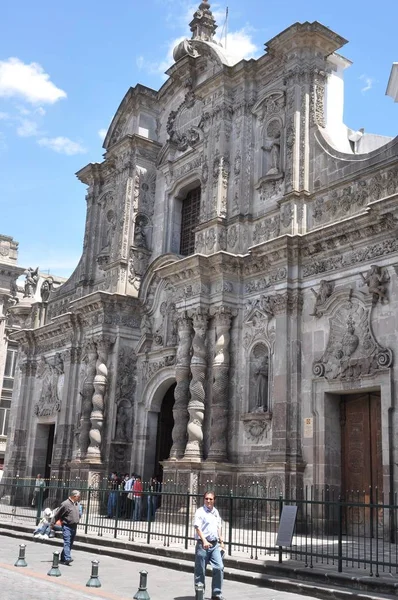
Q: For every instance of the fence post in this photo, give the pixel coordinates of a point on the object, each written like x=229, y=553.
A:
x=87, y=510
x=187, y=511
x=117, y=511
x=39, y=503
x=280, y=515
x=230, y=529
x=340, y=536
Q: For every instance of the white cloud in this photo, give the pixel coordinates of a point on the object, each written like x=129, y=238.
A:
x=139, y=61
x=62, y=145
x=102, y=133
x=28, y=81
x=240, y=45
x=27, y=128
x=4, y=116
x=369, y=81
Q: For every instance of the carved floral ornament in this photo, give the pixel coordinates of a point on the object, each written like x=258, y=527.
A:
x=257, y=426
x=352, y=351
x=184, y=125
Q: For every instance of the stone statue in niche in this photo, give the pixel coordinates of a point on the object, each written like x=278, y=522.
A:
x=124, y=421
x=325, y=290
x=261, y=387
x=32, y=277
x=146, y=327
x=377, y=279
x=140, y=240
x=110, y=229
x=272, y=150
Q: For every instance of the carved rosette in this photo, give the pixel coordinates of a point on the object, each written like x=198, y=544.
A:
x=97, y=413
x=90, y=358
x=196, y=406
x=181, y=392
x=219, y=409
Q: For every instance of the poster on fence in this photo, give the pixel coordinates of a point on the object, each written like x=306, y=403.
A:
x=286, y=526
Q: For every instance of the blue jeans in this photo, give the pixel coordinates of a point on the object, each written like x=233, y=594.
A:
x=152, y=502
x=111, y=507
x=137, y=508
x=202, y=558
x=68, y=532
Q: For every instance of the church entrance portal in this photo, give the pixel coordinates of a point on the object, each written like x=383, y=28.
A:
x=43, y=451
x=361, y=455
x=164, y=440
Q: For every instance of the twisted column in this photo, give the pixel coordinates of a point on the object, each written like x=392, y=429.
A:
x=97, y=413
x=219, y=407
x=196, y=405
x=181, y=392
x=90, y=358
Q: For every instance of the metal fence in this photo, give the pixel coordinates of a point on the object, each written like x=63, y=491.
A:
x=354, y=531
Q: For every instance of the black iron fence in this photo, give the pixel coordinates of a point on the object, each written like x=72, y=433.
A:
x=357, y=530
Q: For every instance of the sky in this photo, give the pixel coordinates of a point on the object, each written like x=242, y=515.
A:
x=65, y=67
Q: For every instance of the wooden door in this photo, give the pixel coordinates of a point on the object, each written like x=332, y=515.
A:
x=362, y=478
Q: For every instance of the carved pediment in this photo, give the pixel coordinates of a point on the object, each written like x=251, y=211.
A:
x=352, y=350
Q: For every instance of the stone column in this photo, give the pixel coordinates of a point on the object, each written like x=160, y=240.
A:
x=196, y=405
x=90, y=357
x=219, y=407
x=181, y=392
x=98, y=400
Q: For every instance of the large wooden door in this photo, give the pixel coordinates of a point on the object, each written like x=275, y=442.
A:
x=362, y=476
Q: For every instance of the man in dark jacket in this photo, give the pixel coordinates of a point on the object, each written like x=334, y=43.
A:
x=69, y=514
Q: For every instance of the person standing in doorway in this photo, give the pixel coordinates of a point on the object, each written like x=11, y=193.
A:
x=209, y=545
x=39, y=483
x=137, y=493
x=69, y=515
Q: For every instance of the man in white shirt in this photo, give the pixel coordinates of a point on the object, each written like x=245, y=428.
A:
x=209, y=544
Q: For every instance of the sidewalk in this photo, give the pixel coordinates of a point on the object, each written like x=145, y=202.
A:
x=177, y=564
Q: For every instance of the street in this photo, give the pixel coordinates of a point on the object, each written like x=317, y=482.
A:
x=119, y=578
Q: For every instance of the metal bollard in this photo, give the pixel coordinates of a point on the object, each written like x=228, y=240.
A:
x=142, y=593
x=54, y=571
x=199, y=591
x=21, y=562
x=94, y=581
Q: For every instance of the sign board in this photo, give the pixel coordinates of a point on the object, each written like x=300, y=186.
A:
x=286, y=526
x=308, y=427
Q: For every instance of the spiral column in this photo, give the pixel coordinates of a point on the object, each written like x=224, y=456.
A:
x=98, y=399
x=219, y=406
x=83, y=439
x=196, y=405
x=181, y=392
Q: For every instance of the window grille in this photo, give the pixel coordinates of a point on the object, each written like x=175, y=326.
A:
x=189, y=221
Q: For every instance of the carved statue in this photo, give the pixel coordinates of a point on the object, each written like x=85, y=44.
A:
x=325, y=290
x=273, y=149
x=376, y=280
x=46, y=289
x=32, y=277
x=124, y=421
x=261, y=388
x=139, y=232
x=146, y=327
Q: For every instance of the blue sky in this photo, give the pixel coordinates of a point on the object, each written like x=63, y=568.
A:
x=65, y=67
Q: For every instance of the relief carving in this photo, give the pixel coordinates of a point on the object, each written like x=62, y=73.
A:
x=377, y=279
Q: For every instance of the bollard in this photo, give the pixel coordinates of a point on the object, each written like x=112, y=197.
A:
x=21, y=562
x=94, y=581
x=142, y=593
x=54, y=571
x=199, y=591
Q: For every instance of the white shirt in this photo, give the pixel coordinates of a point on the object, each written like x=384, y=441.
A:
x=208, y=521
x=128, y=485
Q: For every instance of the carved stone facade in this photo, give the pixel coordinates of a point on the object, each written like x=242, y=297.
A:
x=230, y=363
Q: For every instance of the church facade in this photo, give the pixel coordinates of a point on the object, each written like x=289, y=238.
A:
x=233, y=316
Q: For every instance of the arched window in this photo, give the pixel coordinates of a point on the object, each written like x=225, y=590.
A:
x=189, y=221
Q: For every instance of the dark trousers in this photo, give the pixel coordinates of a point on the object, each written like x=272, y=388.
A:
x=68, y=533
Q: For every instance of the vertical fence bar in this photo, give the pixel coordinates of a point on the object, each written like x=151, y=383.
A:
x=230, y=517
x=87, y=511
x=340, y=536
x=280, y=515
x=187, y=511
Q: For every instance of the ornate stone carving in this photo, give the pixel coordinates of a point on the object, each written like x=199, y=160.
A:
x=181, y=392
x=193, y=450
x=352, y=351
x=52, y=374
x=98, y=400
x=31, y=279
x=377, y=279
x=325, y=290
x=266, y=229
x=257, y=426
x=219, y=406
x=90, y=358
x=125, y=394
x=184, y=124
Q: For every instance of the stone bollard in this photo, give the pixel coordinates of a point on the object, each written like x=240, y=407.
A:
x=199, y=591
x=54, y=571
x=142, y=593
x=21, y=562
x=94, y=581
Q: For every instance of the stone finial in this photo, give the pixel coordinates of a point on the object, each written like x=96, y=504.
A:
x=203, y=24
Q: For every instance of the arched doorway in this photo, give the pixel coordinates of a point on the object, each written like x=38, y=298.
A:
x=165, y=426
